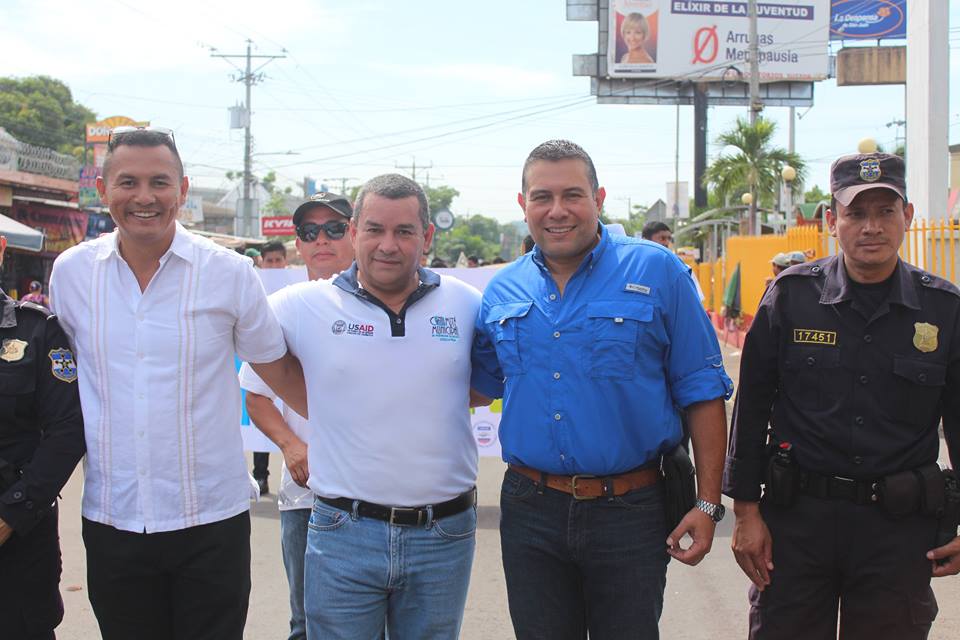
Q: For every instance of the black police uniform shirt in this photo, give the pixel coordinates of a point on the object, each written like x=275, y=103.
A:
x=41, y=426
x=858, y=392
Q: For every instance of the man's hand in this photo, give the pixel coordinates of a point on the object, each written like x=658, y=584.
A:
x=949, y=552
x=700, y=526
x=5, y=531
x=295, y=455
x=752, y=544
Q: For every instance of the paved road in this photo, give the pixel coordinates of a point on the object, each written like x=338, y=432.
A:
x=703, y=602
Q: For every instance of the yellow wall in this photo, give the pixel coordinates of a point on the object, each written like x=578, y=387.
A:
x=753, y=253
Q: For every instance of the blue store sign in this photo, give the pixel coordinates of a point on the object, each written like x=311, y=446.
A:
x=868, y=19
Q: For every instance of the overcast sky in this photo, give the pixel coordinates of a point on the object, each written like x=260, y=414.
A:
x=368, y=85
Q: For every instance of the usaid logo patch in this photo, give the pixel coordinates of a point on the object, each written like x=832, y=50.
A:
x=338, y=327
x=444, y=328
x=341, y=327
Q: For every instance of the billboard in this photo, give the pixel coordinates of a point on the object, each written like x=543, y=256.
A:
x=277, y=226
x=699, y=40
x=868, y=20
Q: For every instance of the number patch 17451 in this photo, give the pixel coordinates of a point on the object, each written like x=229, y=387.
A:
x=815, y=336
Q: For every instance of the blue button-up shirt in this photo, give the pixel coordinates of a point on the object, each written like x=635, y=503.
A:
x=592, y=380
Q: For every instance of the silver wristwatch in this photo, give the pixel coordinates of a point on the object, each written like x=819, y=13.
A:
x=715, y=511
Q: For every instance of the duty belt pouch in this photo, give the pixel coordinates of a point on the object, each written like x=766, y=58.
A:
x=680, y=485
x=950, y=515
x=933, y=490
x=782, y=481
x=899, y=494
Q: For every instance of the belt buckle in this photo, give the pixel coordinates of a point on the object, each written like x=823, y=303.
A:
x=395, y=510
x=573, y=486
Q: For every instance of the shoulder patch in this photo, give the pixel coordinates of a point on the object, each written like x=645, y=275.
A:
x=63, y=366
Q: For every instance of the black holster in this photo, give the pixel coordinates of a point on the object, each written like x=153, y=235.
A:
x=950, y=515
x=782, y=482
x=680, y=485
x=920, y=490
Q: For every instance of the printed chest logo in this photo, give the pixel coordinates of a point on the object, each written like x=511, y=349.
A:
x=815, y=336
x=341, y=327
x=444, y=328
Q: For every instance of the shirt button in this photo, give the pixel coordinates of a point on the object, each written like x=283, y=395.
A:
x=556, y=375
x=922, y=377
x=857, y=460
x=557, y=416
x=553, y=296
x=17, y=495
x=811, y=361
x=868, y=338
x=140, y=433
x=28, y=504
x=556, y=334
x=143, y=472
x=858, y=420
x=140, y=356
x=863, y=379
x=398, y=321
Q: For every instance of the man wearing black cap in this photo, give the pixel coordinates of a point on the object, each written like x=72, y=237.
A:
x=851, y=358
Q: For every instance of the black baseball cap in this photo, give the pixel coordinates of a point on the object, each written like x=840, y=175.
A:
x=334, y=201
x=854, y=174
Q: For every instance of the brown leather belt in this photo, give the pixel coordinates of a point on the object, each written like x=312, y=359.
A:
x=587, y=487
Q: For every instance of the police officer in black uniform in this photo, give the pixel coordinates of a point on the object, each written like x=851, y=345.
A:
x=853, y=360
x=41, y=441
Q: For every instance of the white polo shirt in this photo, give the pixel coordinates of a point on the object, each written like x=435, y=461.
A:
x=388, y=394
x=290, y=496
x=157, y=376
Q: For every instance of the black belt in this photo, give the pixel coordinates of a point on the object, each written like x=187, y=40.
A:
x=406, y=516
x=857, y=491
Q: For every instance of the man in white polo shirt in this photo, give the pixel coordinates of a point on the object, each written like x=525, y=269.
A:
x=156, y=315
x=386, y=353
x=323, y=243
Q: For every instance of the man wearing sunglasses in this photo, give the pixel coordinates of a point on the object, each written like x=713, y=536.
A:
x=386, y=351
x=322, y=242
x=156, y=314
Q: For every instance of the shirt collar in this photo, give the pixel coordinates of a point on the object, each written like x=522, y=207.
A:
x=590, y=258
x=837, y=287
x=181, y=246
x=8, y=317
x=349, y=282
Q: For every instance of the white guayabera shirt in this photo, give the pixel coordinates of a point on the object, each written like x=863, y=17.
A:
x=158, y=381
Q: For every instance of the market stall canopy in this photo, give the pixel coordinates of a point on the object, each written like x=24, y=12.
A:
x=19, y=235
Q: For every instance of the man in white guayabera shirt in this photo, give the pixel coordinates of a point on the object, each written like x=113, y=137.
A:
x=156, y=315
x=323, y=243
x=386, y=351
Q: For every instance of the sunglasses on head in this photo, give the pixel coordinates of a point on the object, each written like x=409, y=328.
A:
x=310, y=231
x=118, y=132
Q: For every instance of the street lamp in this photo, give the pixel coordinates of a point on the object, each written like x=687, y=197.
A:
x=867, y=145
x=789, y=174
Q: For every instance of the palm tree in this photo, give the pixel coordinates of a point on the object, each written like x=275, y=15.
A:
x=755, y=166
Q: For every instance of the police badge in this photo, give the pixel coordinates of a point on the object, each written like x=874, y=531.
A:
x=870, y=170
x=925, y=337
x=62, y=365
x=13, y=350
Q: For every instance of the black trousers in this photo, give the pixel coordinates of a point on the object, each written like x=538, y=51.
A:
x=192, y=584
x=261, y=459
x=30, y=603
x=832, y=556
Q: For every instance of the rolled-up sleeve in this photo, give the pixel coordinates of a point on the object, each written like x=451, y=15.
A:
x=694, y=362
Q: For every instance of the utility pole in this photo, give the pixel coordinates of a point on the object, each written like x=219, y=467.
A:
x=343, y=183
x=755, y=105
x=897, y=138
x=413, y=168
x=248, y=77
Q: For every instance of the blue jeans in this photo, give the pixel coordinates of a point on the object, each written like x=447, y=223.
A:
x=574, y=566
x=362, y=573
x=293, y=541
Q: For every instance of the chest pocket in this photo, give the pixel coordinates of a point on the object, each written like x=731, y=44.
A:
x=15, y=382
x=503, y=323
x=813, y=378
x=614, y=328
x=919, y=387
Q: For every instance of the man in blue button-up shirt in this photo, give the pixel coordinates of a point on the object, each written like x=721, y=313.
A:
x=594, y=342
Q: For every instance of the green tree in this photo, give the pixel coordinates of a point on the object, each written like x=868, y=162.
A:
x=815, y=195
x=440, y=197
x=755, y=165
x=473, y=235
x=40, y=110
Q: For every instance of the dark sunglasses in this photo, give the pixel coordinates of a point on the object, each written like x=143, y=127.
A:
x=310, y=231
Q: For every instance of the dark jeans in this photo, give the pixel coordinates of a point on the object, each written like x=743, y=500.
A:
x=261, y=460
x=833, y=554
x=576, y=566
x=191, y=584
x=30, y=603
